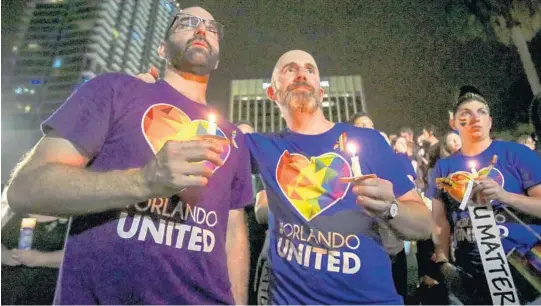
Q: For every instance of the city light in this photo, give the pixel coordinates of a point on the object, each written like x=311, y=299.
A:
x=57, y=63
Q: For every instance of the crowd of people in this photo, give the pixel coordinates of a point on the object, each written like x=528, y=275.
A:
x=157, y=185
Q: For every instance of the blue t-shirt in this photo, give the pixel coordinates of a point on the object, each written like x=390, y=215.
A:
x=324, y=249
x=517, y=169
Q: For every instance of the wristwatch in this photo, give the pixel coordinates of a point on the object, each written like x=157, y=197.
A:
x=392, y=211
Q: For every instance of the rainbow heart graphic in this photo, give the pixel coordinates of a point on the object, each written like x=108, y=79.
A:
x=164, y=122
x=312, y=185
x=455, y=184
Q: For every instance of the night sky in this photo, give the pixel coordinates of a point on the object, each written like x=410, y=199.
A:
x=412, y=64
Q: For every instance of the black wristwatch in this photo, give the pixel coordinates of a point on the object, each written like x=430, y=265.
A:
x=391, y=212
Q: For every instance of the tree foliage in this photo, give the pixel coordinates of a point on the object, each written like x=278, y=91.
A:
x=487, y=19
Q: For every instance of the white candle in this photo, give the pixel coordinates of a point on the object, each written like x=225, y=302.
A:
x=467, y=195
x=211, y=130
x=355, y=165
x=472, y=166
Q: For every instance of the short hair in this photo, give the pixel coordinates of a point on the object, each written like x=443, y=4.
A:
x=244, y=122
x=357, y=116
x=469, y=93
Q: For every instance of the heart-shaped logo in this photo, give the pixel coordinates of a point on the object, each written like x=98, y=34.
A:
x=312, y=185
x=456, y=183
x=163, y=122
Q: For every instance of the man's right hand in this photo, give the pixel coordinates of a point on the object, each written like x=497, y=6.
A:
x=180, y=164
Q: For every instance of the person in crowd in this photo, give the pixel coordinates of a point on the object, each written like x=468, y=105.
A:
x=517, y=166
x=430, y=134
x=156, y=184
x=527, y=140
x=296, y=201
x=451, y=144
x=401, y=149
x=256, y=230
x=429, y=290
x=393, y=245
x=407, y=133
x=262, y=275
x=30, y=270
x=363, y=120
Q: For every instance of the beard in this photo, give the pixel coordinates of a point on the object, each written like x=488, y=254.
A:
x=197, y=61
x=302, y=101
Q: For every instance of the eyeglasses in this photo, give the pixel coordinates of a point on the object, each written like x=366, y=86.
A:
x=184, y=20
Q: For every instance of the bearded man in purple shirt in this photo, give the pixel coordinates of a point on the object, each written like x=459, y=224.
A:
x=158, y=208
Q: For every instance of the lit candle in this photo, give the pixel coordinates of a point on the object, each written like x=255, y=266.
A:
x=355, y=165
x=211, y=130
x=472, y=166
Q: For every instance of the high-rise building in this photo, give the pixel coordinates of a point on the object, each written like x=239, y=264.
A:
x=343, y=98
x=63, y=43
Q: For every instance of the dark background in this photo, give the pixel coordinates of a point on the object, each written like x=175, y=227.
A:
x=411, y=61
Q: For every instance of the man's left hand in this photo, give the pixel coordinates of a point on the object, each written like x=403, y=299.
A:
x=29, y=258
x=487, y=190
x=374, y=194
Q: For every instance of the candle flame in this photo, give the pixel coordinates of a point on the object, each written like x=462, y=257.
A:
x=212, y=118
x=352, y=148
x=472, y=164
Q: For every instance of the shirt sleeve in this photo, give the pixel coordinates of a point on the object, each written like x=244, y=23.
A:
x=242, y=193
x=432, y=192
x=84, y=118
x=528, y=165
x=387, y=165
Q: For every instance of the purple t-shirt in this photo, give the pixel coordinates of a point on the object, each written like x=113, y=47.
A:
x=165, y=250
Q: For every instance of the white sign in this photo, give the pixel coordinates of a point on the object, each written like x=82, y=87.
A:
x=497, y=272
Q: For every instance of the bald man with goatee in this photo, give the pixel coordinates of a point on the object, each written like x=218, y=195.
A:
x=158, y=204
x=325, y=246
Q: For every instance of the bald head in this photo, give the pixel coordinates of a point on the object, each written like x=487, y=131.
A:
x=293, y=56
x=295, y=83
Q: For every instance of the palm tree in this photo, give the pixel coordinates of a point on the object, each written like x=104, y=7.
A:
x=509, y=21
